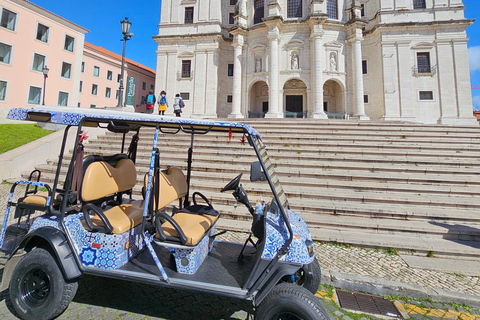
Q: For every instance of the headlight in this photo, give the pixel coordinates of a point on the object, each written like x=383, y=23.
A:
x=309, y=244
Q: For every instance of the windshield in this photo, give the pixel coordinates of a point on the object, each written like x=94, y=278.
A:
x=270, y=167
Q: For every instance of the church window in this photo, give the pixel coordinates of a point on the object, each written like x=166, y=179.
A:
x=419, y=4
x=230, y=69
x=294, y=9
x=426, y=95
x=186, y=68
x=229, y=98
x=231, y=20
x=258, y=6
x=233, y=2
x=423, y=62
x=189, y=15
x=365, y=98
x=332, y=9
x=364, y=67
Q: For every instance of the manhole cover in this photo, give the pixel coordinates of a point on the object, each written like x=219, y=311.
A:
x=367, y=303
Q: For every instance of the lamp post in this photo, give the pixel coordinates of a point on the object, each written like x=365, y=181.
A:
x=45, y=76
x=126, y=36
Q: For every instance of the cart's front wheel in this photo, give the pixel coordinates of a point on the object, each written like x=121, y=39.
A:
x=38, y=289
x=289, y=301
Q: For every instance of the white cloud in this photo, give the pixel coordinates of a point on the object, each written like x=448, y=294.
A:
x=476, y=102
x=474, y=58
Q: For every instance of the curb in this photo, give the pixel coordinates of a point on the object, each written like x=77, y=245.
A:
x=381, y=287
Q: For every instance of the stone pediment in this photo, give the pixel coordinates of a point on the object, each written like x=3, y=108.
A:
x=186, y=54
x=423, y=45
x=333, y=44
x=295, y=44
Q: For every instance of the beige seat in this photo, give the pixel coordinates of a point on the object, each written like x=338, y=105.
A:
x=102, y=180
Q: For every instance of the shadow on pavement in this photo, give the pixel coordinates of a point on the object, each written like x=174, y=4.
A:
x=461, y=229
x=156, y=301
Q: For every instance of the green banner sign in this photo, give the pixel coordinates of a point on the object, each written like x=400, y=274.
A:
x=130, y=91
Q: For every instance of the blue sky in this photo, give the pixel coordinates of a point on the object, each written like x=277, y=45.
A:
x=103, y=18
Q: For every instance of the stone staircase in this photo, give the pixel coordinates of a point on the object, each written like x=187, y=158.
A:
x=414, y=188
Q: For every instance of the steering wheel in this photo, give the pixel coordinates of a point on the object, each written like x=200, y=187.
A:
x=232, y=185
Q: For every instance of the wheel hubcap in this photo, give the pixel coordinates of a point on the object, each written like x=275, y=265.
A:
x=35, y=287
x=288, y=316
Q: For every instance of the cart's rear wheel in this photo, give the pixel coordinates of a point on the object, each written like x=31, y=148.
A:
x=288, y=301
x=38, y=289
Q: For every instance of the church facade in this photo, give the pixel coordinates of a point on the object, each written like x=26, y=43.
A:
x=394, y=60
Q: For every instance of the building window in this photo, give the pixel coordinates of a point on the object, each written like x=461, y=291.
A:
x=3, y=90
x=119, y=76
x=189, y=15
x=365, y=98
x=69, y=43
x=108, y=92
x=364, y=66
x=233, y=2
x=94, y=89
x=83, y=67
x=294, y=9
x=185, y=95
x=5, y=52
x=152, y=87
x=93, y=106
x=109, y=75
x=66, y=70
x=63, y=99
x=426, y=95
x=144, y=86
x=231, y=19
x=362, y=12
x=332, y=9
x=38, y=62
x=96, y=71
x=8, y=19
x=34, y=95
x=116, y=94
x=186, y=68
x=423, y=62
x=419, y=4
x=42, y=32
x=230, y=69
x=80, y=89
x=229, y=98
x=258, y=7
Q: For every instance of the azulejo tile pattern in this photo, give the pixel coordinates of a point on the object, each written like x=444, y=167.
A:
x=277, y=234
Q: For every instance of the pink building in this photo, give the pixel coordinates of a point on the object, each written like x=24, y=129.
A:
x=80, y=74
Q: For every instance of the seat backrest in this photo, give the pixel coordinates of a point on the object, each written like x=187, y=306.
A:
x=101, y=179
x=173, y=186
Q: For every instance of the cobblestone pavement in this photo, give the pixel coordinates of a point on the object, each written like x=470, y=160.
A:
x=94, y=299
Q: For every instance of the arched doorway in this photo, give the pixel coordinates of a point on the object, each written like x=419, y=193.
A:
x=295, y=97
x=333, y=100
x=258, y=100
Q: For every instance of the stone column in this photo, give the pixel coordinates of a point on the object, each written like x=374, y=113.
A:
x=359, y=108
x=237, y=77
x=273, y=74
x=317, y=76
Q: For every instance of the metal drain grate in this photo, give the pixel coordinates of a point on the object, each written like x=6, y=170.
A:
x=367, y=303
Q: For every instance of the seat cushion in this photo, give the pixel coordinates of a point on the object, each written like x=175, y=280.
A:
x=194, y=226
x=39, y=199
x=122, y=217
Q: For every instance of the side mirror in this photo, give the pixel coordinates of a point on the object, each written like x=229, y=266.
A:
x=256, y=173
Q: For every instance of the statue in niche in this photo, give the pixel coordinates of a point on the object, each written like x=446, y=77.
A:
x=333, y=62
x=258, y=65
x=294, y=61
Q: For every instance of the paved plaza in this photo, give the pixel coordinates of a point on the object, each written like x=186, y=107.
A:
x=428, y=294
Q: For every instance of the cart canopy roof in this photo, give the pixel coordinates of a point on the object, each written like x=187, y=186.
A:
x=121, y=119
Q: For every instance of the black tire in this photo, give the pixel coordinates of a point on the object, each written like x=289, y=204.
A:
x=288, y=301
x=38, y=289
x=311, y=282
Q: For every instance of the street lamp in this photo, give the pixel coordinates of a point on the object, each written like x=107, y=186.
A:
x=126, y=36
x=45, y=76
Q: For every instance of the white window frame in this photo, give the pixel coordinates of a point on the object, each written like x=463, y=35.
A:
x=40, y=97
x=61, y=70
x=44, y=61
x=425, y=100
x=48, y=33
x=94, y=86
x=15, y=22
x=6, y=91
x=58, y=101
x=65, y=43
x=9, y=63
x=108, y=92
x=96, y=68
x=110, y=73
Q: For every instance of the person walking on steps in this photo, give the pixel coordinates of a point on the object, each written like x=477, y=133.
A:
x=178, y=104
x=162, y=103
x=150, y=102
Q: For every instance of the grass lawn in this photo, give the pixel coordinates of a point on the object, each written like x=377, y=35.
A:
x=15, y=135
